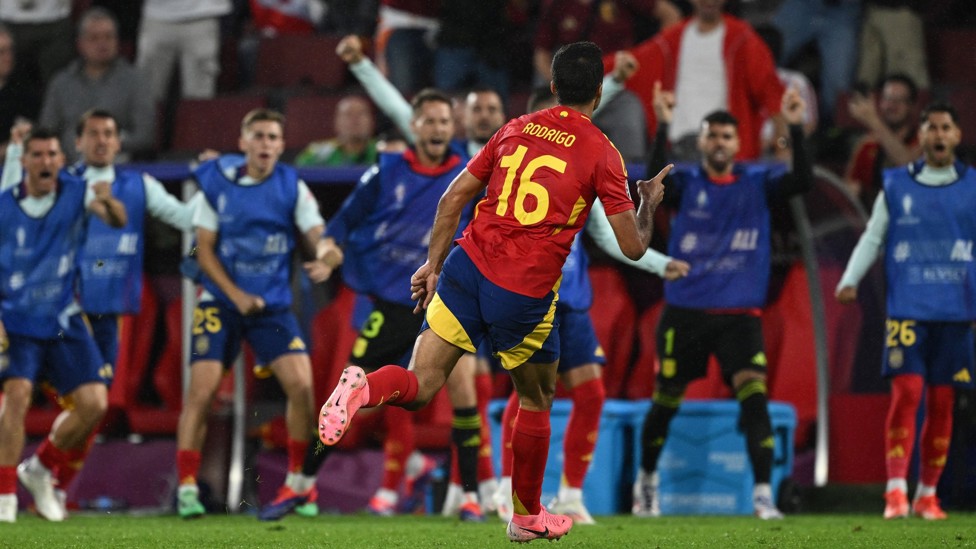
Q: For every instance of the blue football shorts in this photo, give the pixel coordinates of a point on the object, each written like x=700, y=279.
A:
x=468, y=308
x=940, y=352
x=64, y=362
x=218, y=330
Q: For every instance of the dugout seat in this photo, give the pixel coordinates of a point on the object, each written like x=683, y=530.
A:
x=291, y=60
x=211, y=123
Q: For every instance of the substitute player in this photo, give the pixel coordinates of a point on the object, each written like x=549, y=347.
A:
x=43, y=333
x=542, y=172
x=110, y=261
x=246, y=230
x=721, y=229
x=924, y=219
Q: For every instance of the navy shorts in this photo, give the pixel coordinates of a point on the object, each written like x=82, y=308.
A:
x=218, y=332
x=105, y=330
x=687, y=337
x=65, y=362
x=940, y=352
x=468, y=308
x=578, y=345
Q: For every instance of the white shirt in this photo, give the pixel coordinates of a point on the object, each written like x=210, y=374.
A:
x=869, y=245
x=34, y=11
x=701, y=86
x=184, y=10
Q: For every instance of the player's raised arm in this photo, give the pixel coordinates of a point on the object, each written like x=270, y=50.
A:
x=634, y=230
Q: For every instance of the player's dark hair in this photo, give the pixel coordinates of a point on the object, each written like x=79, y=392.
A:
x=427, y=95
x=940, y=106
x=39, y=133
x=903, y=79
x=720, y=117
x=98, y=114
x=577, y=72
x=262, y=115
x=539, y=96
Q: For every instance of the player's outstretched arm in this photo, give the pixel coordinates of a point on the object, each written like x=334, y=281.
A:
x=653, y=261
x=328, y=255
x=866, y=251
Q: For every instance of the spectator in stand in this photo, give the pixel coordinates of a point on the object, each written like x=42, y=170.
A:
x=186, y=32
x=354, y=143
x=711, y=61
x=472, y=46
x=780, y=148
x=833, y=25
x=893, y=41
x=405, y=38
x=610, y=24
x=891, y=139
x=43, y=31
x=18, y=100
x=99, y=79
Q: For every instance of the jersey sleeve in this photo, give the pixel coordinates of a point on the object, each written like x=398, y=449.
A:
x=306, y=213
x=611, y=182
x=204, y=216
x=162, y=205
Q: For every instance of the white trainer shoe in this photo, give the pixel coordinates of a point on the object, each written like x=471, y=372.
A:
x=37, y=479
x=486, y=494
x=8, y=508
x=452, y=500
x=503, y=499
x=569, y=502
x=646, y=501
x=765, y=509
x=62, y=498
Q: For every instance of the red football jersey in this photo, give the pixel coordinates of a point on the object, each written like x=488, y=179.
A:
x=543, y=171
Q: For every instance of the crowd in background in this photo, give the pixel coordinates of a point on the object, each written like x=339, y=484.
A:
x=60, y=57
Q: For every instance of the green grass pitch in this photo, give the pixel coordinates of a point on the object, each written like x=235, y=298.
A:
x=355, y=531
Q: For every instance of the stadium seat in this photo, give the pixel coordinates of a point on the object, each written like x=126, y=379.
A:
x=963, y=98
x=290, y=60
x=310, y=118
x=211, y=123
x=951, y=57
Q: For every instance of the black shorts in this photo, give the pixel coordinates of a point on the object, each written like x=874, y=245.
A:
x=687, y=337
x=387, y=336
